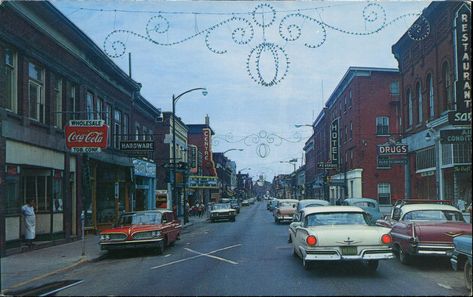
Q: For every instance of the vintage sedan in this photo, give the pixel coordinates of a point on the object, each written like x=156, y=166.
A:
x=142, y=229
x=222, y=211
x=339, y=233
x=310, y=202
x=284, y=210
x=369, y=205
x=423, y=229
x=461, y=257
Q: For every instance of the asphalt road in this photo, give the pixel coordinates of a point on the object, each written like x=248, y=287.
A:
x=252, y=257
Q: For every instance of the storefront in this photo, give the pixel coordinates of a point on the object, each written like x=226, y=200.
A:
x=108, y=191
x=39, y=174
x=145, y=181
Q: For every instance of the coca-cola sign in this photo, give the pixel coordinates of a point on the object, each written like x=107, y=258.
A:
x=86, y=136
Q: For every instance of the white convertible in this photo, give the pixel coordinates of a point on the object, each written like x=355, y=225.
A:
x=330, y=233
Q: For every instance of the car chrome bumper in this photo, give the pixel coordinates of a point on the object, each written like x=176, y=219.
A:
x=335, y=255
x=433, y=250
x=122, y=245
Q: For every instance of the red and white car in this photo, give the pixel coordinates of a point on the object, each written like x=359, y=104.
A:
x=155, y=229
x=424, y=227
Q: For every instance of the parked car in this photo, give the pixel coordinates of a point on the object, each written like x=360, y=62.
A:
x=142, y=229
x=235, y=205
x=284, y=210
x=252, y=200
x=339, y=233
x=225, y=200
x=222, y=211
x=421, y=229
x=462, y=257
x=245, y=202
x=369, y=205
x=310, y=202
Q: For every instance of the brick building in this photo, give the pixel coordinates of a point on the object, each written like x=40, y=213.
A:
x=348, y=131
x=431, y=67
x=51, y=72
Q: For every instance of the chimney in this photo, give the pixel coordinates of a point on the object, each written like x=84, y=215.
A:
x=207, y=120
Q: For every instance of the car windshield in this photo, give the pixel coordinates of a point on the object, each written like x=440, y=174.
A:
x=364, y=204
x=287, y=204
x=140, y=219
x=434, y=215
x=336, y=218
x=221, y=206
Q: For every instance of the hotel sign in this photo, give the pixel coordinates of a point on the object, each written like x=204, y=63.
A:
x=334, y=142
x=462, y=43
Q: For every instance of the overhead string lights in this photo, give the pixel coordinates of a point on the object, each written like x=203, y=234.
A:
x=292, y=27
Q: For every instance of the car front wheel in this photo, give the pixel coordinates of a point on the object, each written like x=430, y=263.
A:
x=467, y=271
x=161, y=247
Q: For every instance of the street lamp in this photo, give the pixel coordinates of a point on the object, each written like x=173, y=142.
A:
x=232, y=149
x=174, y=100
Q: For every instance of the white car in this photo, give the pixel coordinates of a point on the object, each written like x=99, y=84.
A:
x=344, y=233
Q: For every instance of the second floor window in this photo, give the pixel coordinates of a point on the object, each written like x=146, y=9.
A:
x=430, y=85
x=71, y=97
x=125, y=126
x=420, y=103
x=36, y=93
x=384, y=193
x=137, y=131
x=99, y=109
x=409, y=108
x=394, y=87
x=117, y=128
x=382, y=126
x=11, y=79
x=108, y=121
x=90, y=106
x=448, y=87
x=58, y=104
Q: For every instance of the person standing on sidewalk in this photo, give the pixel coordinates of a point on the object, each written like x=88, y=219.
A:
x=29, y=218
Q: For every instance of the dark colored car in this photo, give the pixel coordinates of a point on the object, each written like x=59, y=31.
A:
x=369, y=205
x=461, y=258
x=142, y=229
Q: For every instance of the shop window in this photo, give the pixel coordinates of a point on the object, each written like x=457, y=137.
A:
x=384, y=193
x=36, y=93
x=58, y=104
x=43, y=188
x=11, y=79
x=382, y=125
x=13, y=202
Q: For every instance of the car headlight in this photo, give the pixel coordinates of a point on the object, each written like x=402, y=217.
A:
x=105, y=237
x=156, y=233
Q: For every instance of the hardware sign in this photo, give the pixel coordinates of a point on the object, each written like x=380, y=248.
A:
x=86, y=136
x=137, y=145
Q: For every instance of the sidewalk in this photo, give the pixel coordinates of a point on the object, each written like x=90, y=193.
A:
x=20, y=269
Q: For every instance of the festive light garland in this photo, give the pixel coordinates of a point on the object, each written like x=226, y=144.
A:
x=262, y=140
x=289, y=30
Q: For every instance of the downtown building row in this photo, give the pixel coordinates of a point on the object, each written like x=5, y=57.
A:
x=404, y=133
x=52, y=73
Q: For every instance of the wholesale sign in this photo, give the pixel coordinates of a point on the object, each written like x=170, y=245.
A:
x=334, y=144
x=86, y=136
x=462, y=42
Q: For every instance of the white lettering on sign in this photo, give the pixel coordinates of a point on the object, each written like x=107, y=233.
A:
x=90, y=137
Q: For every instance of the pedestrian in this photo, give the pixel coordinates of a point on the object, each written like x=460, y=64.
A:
x=29, y=218
x=201, y=209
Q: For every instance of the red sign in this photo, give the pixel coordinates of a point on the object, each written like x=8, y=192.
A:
x=86, y=137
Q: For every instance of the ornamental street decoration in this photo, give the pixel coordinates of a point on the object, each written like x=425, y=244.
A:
x=261, y=140
x=290, y=24
x=86, y=136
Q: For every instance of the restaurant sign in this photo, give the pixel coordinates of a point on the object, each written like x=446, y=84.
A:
x=86, y=136
x=462, y=44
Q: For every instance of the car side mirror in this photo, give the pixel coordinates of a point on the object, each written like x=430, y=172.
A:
x=397, y=214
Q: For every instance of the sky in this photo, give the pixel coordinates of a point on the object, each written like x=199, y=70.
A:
x=274, y=65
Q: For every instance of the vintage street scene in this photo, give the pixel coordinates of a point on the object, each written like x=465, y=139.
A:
x=235, y=148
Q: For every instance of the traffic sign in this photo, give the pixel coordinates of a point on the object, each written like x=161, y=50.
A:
x=322, y=165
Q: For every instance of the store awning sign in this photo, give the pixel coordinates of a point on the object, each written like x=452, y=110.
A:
x=86, y=136
x=455, y=136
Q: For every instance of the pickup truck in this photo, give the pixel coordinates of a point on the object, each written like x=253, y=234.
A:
x=424, y=228
x=462, y=257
